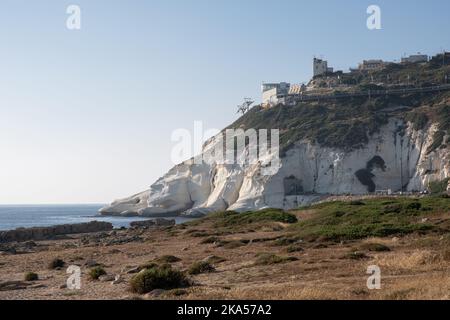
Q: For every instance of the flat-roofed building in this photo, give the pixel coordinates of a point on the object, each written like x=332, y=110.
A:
x=272, y=92
x=369, y=65
x=415, y=58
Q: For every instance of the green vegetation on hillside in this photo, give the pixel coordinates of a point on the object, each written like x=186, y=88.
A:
x=348, y=123
x=437, y=187
x=231, y=218
x=382, y=217
x=157, y=277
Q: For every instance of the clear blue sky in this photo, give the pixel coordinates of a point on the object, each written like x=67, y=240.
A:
x=87, y=116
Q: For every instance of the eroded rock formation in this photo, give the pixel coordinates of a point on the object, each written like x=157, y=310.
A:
x=395, y=158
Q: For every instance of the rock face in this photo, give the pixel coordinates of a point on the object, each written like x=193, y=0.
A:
x=25, y=234
x=396, y=158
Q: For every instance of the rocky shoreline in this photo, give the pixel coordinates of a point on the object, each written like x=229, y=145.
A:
x=53, y=232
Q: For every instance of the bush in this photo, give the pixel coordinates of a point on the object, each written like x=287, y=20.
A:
x=377, y=247
x=96, y=273
x=414, y=206
x=294, y=248
x=381, y=217
x=201, y=267
x=355, y=255
x=215, y=259
x=210, y=240
x=56, y=263
x=159, y=277
x=438, y=186
x=285, y=241
x=264, y=259
x=168, y=259
x=148, y=265
x=31, y=276
x=356, y=203
x=229, y=219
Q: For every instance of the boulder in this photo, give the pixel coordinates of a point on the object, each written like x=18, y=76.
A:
x=106, y=278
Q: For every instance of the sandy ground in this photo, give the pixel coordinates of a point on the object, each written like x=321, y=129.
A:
x=417, y=267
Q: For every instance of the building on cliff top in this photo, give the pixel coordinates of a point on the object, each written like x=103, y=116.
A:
x=415, y=58
x=273, y=93
x=370, y=65
x=320, y=67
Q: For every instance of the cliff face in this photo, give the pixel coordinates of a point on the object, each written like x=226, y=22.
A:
x=397, y=157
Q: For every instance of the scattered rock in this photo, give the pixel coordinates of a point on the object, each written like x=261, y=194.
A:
x=106, y=278
x=133, y=270
x=117, y=279
x=154, y=293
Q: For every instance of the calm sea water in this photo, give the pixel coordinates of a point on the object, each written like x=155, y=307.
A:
x=17, y=216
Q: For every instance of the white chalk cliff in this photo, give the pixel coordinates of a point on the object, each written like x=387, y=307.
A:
x=395, y=158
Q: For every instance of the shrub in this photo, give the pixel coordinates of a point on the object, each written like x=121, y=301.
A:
x=209, y=240
x=438, y=186
x=284, y=241
x=159, y=277
x=56, y=263
x=215, y=259
x=178, y=292
x=393, y=208
x=233, y=244
x=377, y=247
x=96, y=273
x=201, y=267
x=268, y=215
x=414, y=206
x=148, y=265
x=294, y=248
x=31, y=276
x=355, y=255
x=168, y=259
x=264, y=259
x=356, y=203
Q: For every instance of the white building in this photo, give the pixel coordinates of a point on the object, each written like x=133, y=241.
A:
x=415, y=58
x=369, y=65
x=273, y=92
x=320, y=67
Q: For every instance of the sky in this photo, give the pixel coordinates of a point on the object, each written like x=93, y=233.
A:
x=86, y=116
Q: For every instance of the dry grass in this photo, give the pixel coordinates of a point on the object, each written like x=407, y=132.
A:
x=417, y=267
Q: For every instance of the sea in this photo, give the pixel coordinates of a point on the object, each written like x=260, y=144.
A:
x=27, y=216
